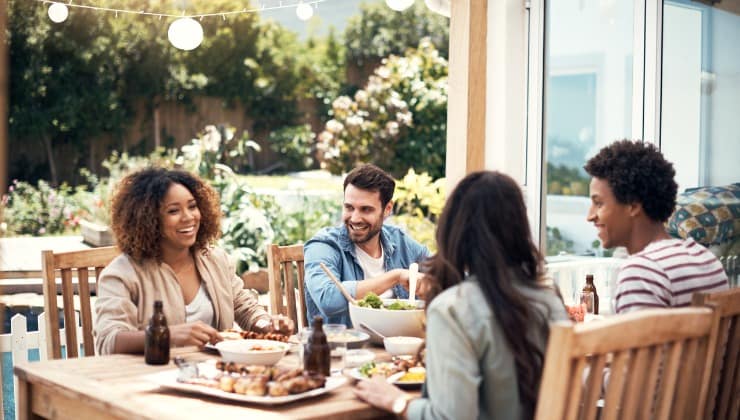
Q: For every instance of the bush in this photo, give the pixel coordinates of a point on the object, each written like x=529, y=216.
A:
x=39, y=210
x=417, y=204
x=296, y=147
x=398, y=119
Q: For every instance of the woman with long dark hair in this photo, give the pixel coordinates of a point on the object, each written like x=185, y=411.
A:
x=489, y=306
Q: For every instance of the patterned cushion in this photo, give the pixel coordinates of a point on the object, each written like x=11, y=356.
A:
x=710, y=215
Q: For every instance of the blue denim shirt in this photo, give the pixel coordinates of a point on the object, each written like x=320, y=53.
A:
x=333, y=247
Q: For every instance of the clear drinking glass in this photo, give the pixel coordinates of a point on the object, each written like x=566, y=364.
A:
x=302, y=336
x=587, y=301
x=337, y=342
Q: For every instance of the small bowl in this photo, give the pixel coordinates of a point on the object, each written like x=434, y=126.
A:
x=397, y=346
x=358, y=357
x=249, y=351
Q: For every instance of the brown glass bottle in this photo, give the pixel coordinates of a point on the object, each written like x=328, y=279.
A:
x=317, y=353
x=589, y=287
x=157, y=338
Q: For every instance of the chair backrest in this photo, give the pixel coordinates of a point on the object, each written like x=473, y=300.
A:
x=283, y=282
x=658, y=364
x=81, y=262
x=723, y=401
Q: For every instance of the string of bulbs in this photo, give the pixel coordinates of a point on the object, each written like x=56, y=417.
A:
x=186, y=33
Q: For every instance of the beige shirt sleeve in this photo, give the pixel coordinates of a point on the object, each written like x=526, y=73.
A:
x=115, y=307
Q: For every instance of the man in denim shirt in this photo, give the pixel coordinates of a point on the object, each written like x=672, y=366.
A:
x=364, y=254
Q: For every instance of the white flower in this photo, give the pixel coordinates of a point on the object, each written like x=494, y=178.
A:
x=333, y=126
x=342, y=102
x=354, y=121
x=392, y=128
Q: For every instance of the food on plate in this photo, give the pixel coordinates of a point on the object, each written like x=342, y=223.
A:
x=414, y=374
x=386, y=369
x=371, y=300
x=232, y=334
x=256, y=380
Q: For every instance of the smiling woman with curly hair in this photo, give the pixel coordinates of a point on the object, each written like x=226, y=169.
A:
x=166, y=223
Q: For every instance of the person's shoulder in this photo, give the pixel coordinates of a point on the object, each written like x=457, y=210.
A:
x=467, y=292
x=398, y=235
x=122, y=262
x=327, y=234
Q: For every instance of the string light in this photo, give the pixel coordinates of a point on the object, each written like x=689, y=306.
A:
x=399, y=5
x=58, y=12
x=261, y=7
x=185, y=32
x=304, y=11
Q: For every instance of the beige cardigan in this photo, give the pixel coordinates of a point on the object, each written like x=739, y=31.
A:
x=127, y=291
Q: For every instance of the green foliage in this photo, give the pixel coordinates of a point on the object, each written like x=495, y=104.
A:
x=296, y=147
x=557, y=243
x=417, y=203
x=566, y=180
x=217, y=149
x=295, y=227
x=380, y=31
x=398, y=118
x=39, y=210
x=322, y=70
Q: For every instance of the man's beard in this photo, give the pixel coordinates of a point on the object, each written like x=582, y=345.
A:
x=371, y=233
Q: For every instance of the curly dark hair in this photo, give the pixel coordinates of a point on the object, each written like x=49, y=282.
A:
x=637, y=173
x=136, y=206
x=371, y=178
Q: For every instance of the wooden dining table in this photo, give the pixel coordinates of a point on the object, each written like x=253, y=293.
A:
x=116, y=387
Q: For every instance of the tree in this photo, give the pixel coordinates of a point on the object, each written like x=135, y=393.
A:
x=379, y=32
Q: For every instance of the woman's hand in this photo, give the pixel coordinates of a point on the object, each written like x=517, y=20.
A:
x=277, y=323
x=195, y=333
x=378, y=393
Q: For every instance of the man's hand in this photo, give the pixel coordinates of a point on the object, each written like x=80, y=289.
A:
x=195, y=333
x=403, y=280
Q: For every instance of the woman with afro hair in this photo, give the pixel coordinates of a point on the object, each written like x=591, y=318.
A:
x=165, y=223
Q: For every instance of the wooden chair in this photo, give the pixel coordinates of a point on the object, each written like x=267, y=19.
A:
x=283, y=284
x=659, y=364
x=80, y=262
x=723, y=401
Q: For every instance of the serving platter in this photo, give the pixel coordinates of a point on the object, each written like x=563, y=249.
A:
x=168, y=379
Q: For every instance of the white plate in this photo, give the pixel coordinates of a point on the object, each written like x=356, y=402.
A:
x=355, y=373
x=168, y=379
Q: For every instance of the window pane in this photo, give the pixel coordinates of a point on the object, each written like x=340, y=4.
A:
x=701, y=92
x=588, y=93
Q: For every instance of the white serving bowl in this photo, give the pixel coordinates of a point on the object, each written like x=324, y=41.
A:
x=397, y=346
x=248, y=352
x=390, y=323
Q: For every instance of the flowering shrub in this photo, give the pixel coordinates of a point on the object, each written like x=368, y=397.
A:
x=39, y=210
x=417, y=203
x=399, y=119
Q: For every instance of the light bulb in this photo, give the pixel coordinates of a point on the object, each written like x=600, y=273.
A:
x=185, y=34
x=399, y=5
x=58, y=12
x=304, y=11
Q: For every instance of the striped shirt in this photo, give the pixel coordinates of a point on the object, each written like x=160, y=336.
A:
x=666, y=273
